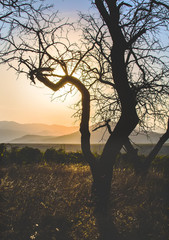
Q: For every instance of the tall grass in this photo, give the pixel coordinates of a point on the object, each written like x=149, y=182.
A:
x=50, y=200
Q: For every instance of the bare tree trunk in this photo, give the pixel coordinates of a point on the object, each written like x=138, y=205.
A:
x=103, y=173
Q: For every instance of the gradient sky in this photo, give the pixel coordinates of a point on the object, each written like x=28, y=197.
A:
x=24, y=103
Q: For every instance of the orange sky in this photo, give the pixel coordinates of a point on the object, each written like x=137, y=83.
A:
x=23, y=103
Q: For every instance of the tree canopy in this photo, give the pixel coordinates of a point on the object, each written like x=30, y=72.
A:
x=144, y=27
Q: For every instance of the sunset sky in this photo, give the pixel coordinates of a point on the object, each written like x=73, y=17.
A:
x=24, y=103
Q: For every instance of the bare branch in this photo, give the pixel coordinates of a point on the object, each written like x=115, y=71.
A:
x=135, y=37
x=159, y=3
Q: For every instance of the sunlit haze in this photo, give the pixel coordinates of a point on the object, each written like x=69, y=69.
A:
x=25, y=103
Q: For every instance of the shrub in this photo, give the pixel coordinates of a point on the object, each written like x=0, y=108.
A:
x=161, y=163
x=29, y=155
x=75, y=157
x=13, y=155
x=3, y=153
x=60, y=156
x=52, y=155
x=2, y=150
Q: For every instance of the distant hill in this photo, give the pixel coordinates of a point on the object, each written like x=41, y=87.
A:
x=71, y=138
x=12, y=130
x=42, y=133
x=99, y=136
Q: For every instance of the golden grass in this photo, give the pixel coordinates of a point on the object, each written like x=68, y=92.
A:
x=52, y=201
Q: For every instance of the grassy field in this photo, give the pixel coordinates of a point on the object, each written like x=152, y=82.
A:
x=52, y=201
x=47, y=199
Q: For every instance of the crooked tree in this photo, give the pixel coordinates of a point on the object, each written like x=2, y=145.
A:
x=123, y=67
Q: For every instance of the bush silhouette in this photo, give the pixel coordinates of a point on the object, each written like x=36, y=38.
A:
x=3, y=153
x=13, y=155
x=75, y=157
x=52, y=155
x=161, y=163
x=60, y=156
x=29, y=155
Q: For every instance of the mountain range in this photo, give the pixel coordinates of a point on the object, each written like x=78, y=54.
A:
x=12, y=132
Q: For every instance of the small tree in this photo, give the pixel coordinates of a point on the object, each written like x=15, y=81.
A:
x=116, y=69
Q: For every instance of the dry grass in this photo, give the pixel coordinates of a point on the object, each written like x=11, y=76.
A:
x=51, y=201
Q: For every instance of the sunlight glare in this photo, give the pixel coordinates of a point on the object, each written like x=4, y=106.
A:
x=68, y=90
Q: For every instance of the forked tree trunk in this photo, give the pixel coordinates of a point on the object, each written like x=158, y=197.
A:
x=103, y=170
x=102, y=173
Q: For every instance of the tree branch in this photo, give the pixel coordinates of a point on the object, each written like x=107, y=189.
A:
x=157, y=148
x=103, y=11
x=84, y=126
x=159, y=3
x=135, y=37
x=124, y=4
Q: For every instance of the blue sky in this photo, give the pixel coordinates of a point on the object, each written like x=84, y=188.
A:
x=71, y=5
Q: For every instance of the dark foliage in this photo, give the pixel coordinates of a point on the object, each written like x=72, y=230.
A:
x=60, y=156
x=161, y=163
x=28, y=155
x=51, y=155
x=25, y=155
x=2, y=151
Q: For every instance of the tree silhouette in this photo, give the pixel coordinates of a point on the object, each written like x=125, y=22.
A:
x=122, y=62
x=145, y=52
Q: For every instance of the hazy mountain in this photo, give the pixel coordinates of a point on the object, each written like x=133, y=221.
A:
x=12, y=130
x=70, y=138
x=7, y=134
x=42, y=133
x=99, y=136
